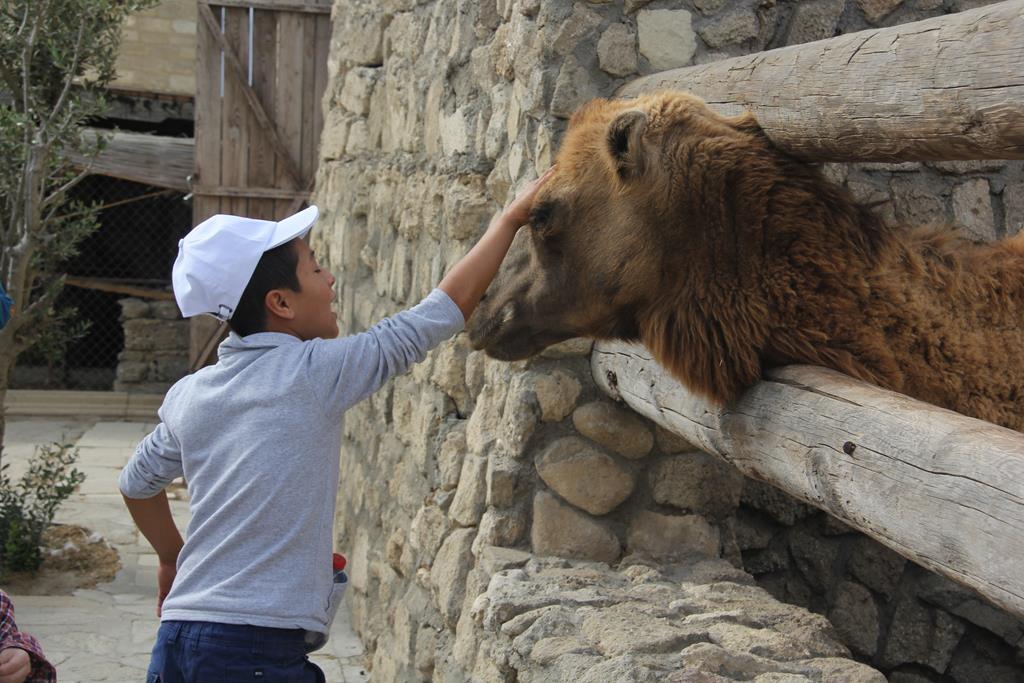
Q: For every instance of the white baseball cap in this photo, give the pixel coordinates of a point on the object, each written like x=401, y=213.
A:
x=217, y=258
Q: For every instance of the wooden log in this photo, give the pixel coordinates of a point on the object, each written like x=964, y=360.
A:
x=943, y=490
x=946, y=88
x=250, y=192
x=151, y=159
x=113, y=286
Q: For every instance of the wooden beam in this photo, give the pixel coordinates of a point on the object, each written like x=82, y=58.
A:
x=250, y=192
x=241, y=77
x=150, y=159
x=102, y=285
x=309, y=6
x=944, y=490
x=946, y=88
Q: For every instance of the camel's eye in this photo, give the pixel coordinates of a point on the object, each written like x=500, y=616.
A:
x=540, y=215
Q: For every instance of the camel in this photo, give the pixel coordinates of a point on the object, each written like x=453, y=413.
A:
x=688, y=231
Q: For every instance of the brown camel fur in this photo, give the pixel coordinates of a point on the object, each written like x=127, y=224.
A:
x=689, y=231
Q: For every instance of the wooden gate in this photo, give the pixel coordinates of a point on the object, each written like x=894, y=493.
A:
x=260, y=75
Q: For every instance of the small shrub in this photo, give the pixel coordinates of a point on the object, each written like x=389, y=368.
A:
x=28, y=507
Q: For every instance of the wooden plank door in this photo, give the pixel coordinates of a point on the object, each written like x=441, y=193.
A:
x=261, y=72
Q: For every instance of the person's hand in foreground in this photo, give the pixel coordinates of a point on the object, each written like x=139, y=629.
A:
x=15, y=665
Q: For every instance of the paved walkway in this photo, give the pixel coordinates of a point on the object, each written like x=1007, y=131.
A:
x=106, y=633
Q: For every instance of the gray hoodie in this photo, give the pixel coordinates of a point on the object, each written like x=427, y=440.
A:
x=257, y=437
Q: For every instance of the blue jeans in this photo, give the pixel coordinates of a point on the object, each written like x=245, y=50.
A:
x=205, y=652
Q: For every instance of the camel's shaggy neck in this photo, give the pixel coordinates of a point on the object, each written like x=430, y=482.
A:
x=789, y=269
x=923, y=311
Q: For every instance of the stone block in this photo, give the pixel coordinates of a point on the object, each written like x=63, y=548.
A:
x=358, y=89
x=503, y=475
x=584, y=476
x=614, y=428
x=876, y=566
x=427, y=530
x=467, y=209
x=563, y=531
x=576, y=29
x=697, y=482
x=969, y=166
x=133, y=308
x=358, y=140
x=972, y=209
x=144, y=334
x=961, y=602
x=165, y=310
x=519, y=418
x=501, y=527
x=778, y=505
x=1013, y=207
x=448, y=575
x=816, y=557
x=470, y=496
x=449, y=459
x=655, y=535
x=814, y=20
x=666, y=37
x=920, y=635
x=855, y=616
x=456, y=135
x=556, y=393
x=876, y=10
x=363, y=38
x=334, y=137
x=494, y=559
x=735, y=28
x=573, y=87
x=616, y=51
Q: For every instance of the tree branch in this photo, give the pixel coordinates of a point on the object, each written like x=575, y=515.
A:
x=70, y=78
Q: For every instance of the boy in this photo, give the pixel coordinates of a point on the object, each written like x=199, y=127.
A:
x=257, y=437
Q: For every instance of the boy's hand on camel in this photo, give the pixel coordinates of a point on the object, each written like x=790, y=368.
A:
x=15, y=665
x=517, y=213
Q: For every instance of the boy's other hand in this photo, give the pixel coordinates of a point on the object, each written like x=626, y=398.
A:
x=15, y=665
x=165, y=574
x=517, y=213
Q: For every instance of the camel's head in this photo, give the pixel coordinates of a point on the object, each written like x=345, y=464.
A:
x=593, y=258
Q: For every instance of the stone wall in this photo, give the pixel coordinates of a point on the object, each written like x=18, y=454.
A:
x=462, y=478
x=158, y=50
x=155, y=354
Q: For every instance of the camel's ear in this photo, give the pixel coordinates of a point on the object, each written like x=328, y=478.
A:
x=746, y=122
x=624, y=143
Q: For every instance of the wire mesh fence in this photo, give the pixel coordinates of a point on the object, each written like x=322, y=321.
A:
x=129, y=255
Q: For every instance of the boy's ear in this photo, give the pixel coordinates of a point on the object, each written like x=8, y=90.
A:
x=277, y=304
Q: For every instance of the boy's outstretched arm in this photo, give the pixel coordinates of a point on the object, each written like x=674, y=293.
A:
x=153, y=517
x=469, y=278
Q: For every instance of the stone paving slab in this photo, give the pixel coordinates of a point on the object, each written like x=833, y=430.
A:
x=106, y=633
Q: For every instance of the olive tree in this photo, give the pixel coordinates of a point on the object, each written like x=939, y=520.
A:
x=56, y=59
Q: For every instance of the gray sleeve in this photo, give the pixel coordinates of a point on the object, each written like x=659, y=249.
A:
x=156, y=462
x=345, y=371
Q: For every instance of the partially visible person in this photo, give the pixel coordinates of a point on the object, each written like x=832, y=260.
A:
x=21, y=657
x=5, y=306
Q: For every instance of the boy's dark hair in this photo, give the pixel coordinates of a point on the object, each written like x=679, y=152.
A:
x=277, y=269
